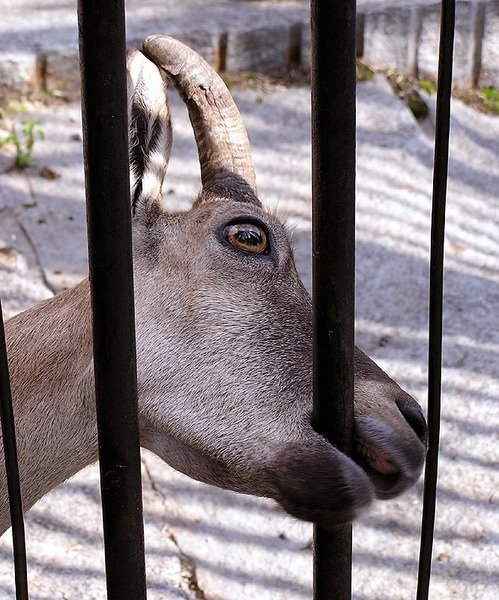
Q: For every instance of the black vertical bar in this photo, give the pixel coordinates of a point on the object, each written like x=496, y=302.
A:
x=441, y=159
x=333, y=207
x=105, y=128
x=12, y=472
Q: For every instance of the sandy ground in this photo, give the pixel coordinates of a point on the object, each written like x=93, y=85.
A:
x=241, y=547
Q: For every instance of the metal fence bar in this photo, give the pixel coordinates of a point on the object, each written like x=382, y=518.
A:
x=333, y=208
x=12, y=472
x=441, y=159
x=105, y=128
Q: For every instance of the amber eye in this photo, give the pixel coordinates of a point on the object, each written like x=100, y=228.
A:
x=248, y=237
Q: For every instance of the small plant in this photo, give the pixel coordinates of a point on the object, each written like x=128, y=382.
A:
x=363, y=72
x=406, y=90
x=427, y=86
x=490, y=98
x=484, y=99
x=417, y=105
x=252, y=81
x=24, y=142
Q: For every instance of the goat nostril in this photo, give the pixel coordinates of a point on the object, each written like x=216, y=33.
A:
x=414, y=416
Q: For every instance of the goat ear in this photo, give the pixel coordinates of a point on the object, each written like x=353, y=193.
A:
x=150, y=136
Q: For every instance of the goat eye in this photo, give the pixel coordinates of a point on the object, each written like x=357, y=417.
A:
x=248, y=237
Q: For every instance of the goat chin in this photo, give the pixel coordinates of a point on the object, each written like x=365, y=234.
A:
x=320, y=484
x=311, y=480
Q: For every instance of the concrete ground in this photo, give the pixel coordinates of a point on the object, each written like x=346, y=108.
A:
x=207, y=543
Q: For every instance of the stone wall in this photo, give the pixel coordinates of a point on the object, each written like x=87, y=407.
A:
x=405, y=38
x=392, y=35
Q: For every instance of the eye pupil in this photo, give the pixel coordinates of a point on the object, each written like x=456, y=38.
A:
x=247, y=237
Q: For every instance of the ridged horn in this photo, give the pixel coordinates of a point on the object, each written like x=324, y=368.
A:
x=224, y=151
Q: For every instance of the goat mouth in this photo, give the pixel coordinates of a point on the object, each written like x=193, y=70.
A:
x=383, y=473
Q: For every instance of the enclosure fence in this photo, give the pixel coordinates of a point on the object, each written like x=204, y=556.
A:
x=105, y=128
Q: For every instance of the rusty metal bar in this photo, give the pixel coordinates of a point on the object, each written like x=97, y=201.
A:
x=440, y=171
x=105, y=129
x=12, y=472
x=333, y=207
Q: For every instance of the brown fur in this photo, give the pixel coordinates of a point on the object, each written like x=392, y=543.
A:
x=224, y=363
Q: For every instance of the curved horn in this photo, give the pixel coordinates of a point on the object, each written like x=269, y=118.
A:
x=223, y=147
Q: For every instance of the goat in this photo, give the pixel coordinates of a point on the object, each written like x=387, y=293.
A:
x=224, y=335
